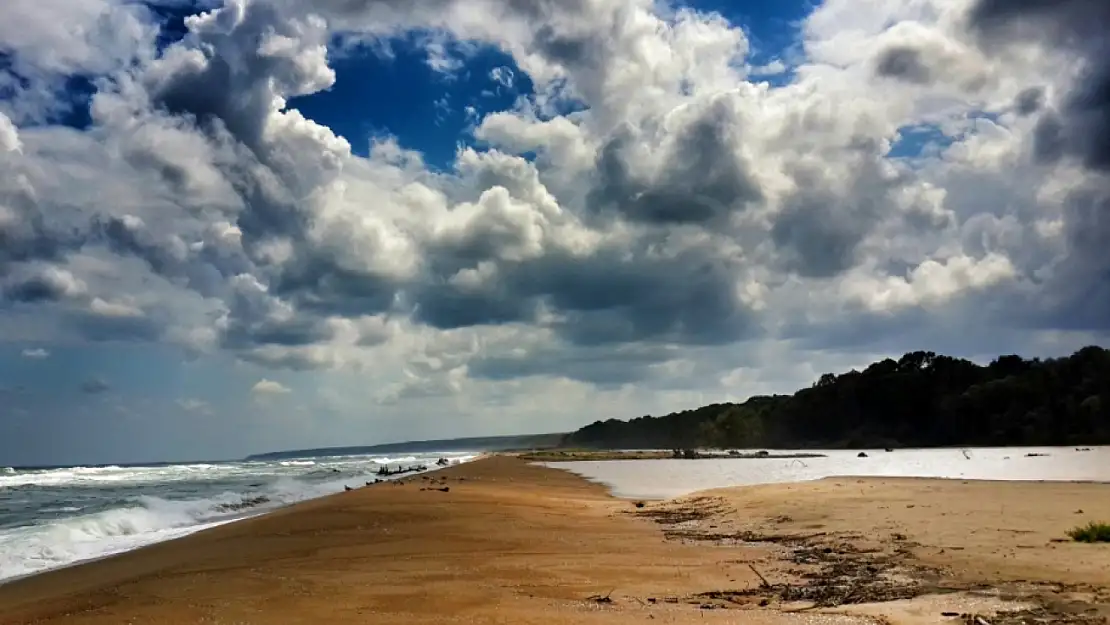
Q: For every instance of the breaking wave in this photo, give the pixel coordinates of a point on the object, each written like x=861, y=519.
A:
x=52, y=541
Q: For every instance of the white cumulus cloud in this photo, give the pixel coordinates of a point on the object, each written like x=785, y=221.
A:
x=920, y=165
x=269, y=387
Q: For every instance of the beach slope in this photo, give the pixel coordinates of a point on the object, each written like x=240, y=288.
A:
x=507, y=543
x=499, y=540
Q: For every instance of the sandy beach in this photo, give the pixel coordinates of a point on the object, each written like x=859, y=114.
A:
x=510, y=542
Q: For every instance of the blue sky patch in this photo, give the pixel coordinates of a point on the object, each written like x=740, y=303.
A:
x=930, y=139
x=404, y=95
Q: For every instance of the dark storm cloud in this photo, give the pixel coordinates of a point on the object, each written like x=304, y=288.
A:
x=904, y=63
x=1076, y=127
x=604, y=366
x=442, y=306
x=688, y=299
x=204, y=269
x=237, y=98
x=818, y=234
x=39, y=288
x=1082, y=285
x=29, y=237
x=95, y=386
x=322, y=285
x=1029, y=101
x=1080, y=127
x=819, y=230
x=702, y=177
x=569, y=51
x=126, y=238
x=824, y=220
x=1060, y=19
x=254, y=318
x=299, y=331
x=102, y=328
x=609, y=298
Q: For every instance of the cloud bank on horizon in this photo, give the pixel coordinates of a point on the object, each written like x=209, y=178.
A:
x=664, y=212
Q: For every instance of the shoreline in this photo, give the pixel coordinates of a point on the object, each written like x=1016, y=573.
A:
x=542, y=458
x=610, y=455
x=602, y=456
x=408, y=552
x=556, y=455
x=651, y=479
x=241, y=516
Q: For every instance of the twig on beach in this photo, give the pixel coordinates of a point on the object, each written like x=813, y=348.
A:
x=801, y=609
x=763, y=580
x=606, y=598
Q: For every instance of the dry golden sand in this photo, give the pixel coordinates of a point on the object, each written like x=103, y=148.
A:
x=978, y=531
x=857, y=540
x=516, y=543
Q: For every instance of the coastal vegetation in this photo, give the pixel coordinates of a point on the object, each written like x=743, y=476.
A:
x=922, y=399
x=1092, y=532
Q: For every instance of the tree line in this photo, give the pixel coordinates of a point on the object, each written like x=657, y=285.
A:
x=920, y=400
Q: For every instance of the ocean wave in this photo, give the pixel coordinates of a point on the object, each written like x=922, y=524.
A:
x=93, y=476
x=388, y=460
x=51, y=542
x=31, y=549
x=62, y=509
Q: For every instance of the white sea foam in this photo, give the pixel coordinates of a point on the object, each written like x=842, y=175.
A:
x=388, y=460
x=31, y=549
x=148, y=519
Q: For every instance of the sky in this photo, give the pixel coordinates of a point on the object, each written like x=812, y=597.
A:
x=235, y=226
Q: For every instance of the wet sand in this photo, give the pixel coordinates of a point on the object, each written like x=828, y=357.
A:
x=511, y=542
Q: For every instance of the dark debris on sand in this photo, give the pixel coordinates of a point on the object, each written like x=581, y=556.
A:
x=830, y=570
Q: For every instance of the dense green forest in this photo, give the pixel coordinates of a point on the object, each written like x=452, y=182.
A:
x=920, y=400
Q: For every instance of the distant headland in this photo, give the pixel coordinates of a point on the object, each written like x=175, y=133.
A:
x=481, y=443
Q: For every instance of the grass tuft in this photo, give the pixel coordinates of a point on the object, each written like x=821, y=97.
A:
x=1091, y=533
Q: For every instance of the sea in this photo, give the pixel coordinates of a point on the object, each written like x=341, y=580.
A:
x=54, y=517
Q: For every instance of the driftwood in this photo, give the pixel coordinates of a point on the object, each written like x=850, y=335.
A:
x=386, y=471
x=606, y=598
x=762, y=580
